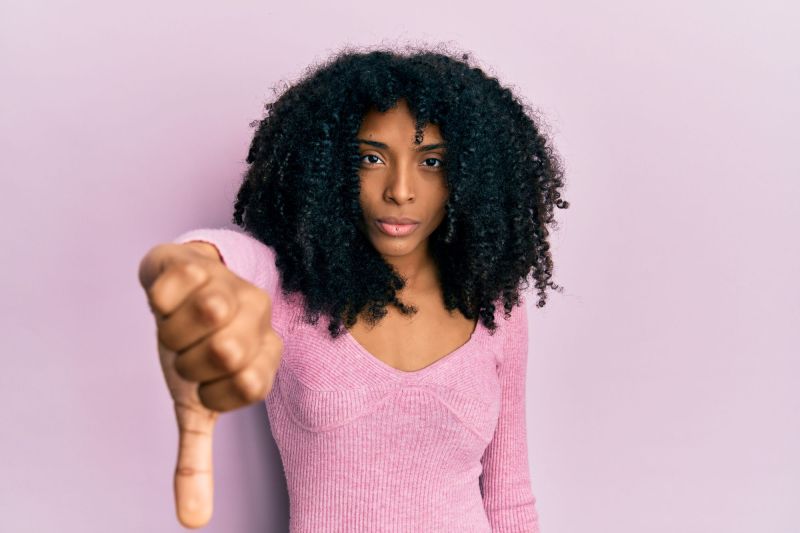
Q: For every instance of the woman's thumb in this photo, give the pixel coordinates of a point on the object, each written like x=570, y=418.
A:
x=194, y=476
x=194, y=480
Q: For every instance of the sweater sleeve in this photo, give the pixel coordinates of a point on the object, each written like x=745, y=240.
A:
x=505, y=482
x=245, y=256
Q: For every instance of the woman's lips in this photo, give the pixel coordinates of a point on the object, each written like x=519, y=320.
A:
x=396, y=230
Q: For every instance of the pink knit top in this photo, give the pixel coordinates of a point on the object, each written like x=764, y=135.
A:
x=368, y=447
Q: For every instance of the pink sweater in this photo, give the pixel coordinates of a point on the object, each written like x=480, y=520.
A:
x=368, y=447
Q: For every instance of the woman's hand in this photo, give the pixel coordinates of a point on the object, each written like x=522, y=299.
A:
x=218, y=352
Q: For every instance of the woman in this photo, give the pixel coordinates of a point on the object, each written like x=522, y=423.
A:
x=406, y=198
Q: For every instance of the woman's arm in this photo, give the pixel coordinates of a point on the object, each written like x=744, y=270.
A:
x=505, y=482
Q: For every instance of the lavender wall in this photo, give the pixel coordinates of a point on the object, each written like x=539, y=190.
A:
x=663, y=395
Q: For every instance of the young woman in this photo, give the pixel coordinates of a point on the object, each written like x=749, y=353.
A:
x=405, y=198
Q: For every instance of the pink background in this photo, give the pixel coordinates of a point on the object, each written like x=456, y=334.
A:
x=662, y=384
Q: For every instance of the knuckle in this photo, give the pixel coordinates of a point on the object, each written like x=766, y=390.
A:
x=250, y=386
x=155, y=299
x=225, y=353
x=190, y=271
x=212, y=309
x=148, y=263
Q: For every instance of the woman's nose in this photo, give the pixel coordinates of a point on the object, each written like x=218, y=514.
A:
x=401, y=184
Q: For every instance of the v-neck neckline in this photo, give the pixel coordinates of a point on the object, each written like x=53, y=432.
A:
x=476, y=333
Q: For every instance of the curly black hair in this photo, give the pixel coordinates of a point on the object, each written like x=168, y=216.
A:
x=502, y=173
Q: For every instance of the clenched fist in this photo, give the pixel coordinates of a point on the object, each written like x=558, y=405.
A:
x=218, y=352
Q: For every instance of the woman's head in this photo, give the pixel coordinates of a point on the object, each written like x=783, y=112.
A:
x=313, y=192
x=400, y=179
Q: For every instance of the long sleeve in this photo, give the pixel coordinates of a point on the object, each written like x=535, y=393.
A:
x=505, y=482
x=245, y=256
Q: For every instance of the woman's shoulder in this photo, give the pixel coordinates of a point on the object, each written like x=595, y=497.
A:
x=511, y=332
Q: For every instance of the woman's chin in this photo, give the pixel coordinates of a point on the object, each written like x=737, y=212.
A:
x=394, y=246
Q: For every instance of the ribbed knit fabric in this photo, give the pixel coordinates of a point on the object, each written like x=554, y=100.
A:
x=367, y=447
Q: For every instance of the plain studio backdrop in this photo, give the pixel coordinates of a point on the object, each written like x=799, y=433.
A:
x=662, y=384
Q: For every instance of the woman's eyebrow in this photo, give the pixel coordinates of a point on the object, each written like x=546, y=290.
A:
x=423, y=148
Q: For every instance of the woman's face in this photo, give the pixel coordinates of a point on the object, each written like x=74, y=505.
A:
x=402, y=180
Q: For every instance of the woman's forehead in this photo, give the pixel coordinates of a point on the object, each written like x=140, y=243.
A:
x=395, y=123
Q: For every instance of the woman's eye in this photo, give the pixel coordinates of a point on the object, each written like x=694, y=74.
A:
x=431, y=162
x=375, y=158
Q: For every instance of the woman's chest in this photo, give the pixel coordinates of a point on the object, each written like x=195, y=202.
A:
x=410, y=344
x=326, y=384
